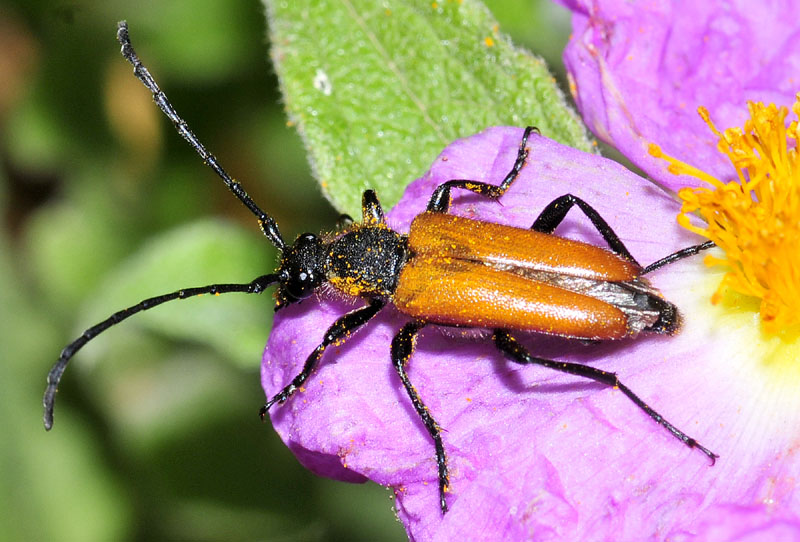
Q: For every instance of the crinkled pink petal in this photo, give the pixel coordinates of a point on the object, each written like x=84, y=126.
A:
x=535, y=454
x=640, y=70
x=736, y=523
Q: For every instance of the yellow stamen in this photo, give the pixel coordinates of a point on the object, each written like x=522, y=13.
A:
x=755, y=219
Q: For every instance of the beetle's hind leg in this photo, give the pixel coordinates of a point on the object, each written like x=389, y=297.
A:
x=402, y=348
x=518, y=354
x=557, y=210
x=679, y=255
x=440, y=199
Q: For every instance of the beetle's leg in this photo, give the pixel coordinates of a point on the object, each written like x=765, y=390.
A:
x=54, y=376
x=440, y=199
x=675, y=256
x=340, y=331
x=402, y=348
x=554, y=214
x=371, y=209
x=517, y=353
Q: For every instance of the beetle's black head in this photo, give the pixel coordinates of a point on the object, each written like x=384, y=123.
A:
x=301, y=270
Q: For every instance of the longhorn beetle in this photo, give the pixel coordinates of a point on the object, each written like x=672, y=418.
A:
x=447, y=271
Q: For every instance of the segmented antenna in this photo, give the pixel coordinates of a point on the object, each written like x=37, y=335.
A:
x=54, y=376
x=267, y=223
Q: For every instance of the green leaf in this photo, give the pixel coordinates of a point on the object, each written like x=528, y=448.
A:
x=378, y=89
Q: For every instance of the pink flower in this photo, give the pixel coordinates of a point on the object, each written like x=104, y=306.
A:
x=532, y=453
x=639, y=71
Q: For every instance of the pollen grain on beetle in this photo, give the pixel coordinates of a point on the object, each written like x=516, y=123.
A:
x=755, y=218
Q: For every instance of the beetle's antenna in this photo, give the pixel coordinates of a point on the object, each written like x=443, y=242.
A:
x=267, y=223
x=54, y=376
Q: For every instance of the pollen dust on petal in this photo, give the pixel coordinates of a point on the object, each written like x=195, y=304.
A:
x=754, y=218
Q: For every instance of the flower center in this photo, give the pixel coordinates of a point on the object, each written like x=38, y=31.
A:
x=755, y=218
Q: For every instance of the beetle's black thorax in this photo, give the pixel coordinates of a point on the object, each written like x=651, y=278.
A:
x=366, y=260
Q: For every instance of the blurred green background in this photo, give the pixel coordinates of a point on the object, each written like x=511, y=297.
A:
x=156, y=433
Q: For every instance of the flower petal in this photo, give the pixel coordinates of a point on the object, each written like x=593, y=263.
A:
x=536, y=454
x=640, y=70
x=743, y=524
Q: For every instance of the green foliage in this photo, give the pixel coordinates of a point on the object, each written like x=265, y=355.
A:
x=38, y=473
x=378, y=89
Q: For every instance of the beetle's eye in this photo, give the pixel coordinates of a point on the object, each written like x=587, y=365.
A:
x=301, y=285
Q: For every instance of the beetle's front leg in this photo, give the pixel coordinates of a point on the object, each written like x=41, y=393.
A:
x=371, y=210
x=340, y=331
x=402, y=348
x=440, y=199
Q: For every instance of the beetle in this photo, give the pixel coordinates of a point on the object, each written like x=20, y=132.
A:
x=447, y=271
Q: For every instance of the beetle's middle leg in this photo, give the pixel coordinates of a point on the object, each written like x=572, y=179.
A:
x=519, y=354
x=554, y=214
x=402, y=348
x=339, y=332
x=440, y=199
x=557, y=210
